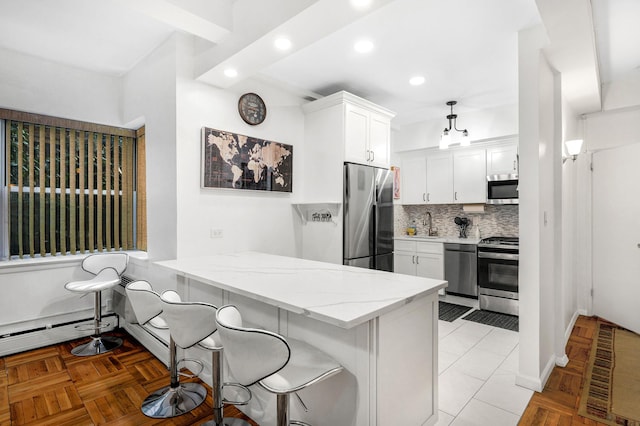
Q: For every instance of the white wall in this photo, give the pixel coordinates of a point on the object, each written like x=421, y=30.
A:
x=180, y=214
x=149, y=98
x=622, y=93
x=490, y=123
x=571, y=129
x=540, y=208
x=34, y=294
x=617, y=123
x=38, y=86
x=614, y=126
x=250, y=220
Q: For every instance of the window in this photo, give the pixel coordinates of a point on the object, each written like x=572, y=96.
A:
x=70, y=187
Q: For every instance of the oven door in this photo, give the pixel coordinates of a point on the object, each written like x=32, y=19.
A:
x=498, y=270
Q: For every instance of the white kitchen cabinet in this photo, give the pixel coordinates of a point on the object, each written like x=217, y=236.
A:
x=420, y=258
x=440, y=178
x=404, y=262
x=502, y=160
x=337, y=128
x=469, y=176
x=413, y=187
x=367, y=136
x=445, y=178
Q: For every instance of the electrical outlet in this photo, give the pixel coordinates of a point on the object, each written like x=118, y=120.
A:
x=216, y=233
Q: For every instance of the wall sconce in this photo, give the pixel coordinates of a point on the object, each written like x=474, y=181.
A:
x=573, y=148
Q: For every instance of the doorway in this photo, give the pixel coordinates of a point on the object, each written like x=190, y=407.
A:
x=616, y=235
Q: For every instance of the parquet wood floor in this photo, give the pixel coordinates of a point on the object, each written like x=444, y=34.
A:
x=50, y=386
x=558, y=403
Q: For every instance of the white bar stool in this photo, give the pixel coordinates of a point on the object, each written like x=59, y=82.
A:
x=280, y=365
x=194, y=323
x=107, y=269
x=147, y=308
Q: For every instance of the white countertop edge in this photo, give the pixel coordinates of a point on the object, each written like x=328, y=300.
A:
x=353, y=322
x=422, y=238
x=316, y=315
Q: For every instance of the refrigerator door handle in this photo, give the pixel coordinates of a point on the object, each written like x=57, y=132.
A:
x=374, y=230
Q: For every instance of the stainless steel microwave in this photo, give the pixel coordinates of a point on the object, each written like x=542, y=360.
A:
x=502, y=189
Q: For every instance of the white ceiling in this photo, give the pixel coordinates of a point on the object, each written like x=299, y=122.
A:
x=466, y=49
x=617, y=28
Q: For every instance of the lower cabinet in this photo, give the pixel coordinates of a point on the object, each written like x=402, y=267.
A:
x=419, y=258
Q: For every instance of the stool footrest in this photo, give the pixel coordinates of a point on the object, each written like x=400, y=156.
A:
x=195, y=361
x=91, y=327
x=227, y=421
x=240, y=389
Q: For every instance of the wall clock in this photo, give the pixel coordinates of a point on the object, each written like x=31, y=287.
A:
x=252, y=108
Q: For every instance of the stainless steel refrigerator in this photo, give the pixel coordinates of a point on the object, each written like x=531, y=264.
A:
x=368, y=217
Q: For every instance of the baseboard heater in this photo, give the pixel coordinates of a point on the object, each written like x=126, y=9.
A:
x=39, y=337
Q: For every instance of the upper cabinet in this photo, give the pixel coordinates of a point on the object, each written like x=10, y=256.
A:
x=502, y=160
x=457, y=177
x=413, y=173
x=427, y=179
x=469, y=177
x=440, y=179
x=367, y=136
x=364, y=128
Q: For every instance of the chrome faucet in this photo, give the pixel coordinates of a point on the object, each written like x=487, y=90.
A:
x=429, y=224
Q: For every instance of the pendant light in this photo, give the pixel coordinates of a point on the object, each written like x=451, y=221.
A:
x=445, y=139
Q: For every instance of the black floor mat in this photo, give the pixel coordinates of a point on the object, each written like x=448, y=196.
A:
x=508, y=322
x=450, y=312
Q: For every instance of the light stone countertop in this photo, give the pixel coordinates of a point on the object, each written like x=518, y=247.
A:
x=344, y=296
x=469, y=240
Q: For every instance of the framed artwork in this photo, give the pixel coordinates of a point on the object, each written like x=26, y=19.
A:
x=396, y=182
x=230, y=160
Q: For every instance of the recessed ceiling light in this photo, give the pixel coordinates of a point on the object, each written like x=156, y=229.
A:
x=231, y=73
x=416, y=80
x=363, y=46
x=282, y=43
x=360, y=4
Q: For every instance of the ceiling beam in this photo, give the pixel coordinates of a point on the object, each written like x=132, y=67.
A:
x=188, y=16
x=572, y=51
x=313, y=23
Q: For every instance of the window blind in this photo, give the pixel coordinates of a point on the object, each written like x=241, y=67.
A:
x=70, y=190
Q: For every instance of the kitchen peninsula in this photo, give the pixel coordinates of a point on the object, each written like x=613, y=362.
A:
x=381, y=326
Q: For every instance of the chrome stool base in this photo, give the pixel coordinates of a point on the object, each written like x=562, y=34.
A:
x=171, y=402
x=228, y=421
x=98, y=345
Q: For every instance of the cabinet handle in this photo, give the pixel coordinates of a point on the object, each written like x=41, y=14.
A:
x=428, y=196
x=413, y=259
x=417, y=260
x=424, y=197
x=455, y=196
x=373, y=156
x=514, y=164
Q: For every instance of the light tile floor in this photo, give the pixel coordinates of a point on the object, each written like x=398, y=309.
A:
x=477, y=367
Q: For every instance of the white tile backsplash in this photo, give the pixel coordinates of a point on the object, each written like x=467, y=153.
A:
x=495, y=221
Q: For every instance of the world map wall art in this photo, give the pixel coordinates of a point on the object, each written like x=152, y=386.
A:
x=230, y=160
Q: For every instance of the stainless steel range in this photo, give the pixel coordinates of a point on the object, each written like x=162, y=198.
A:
x=498, y=274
